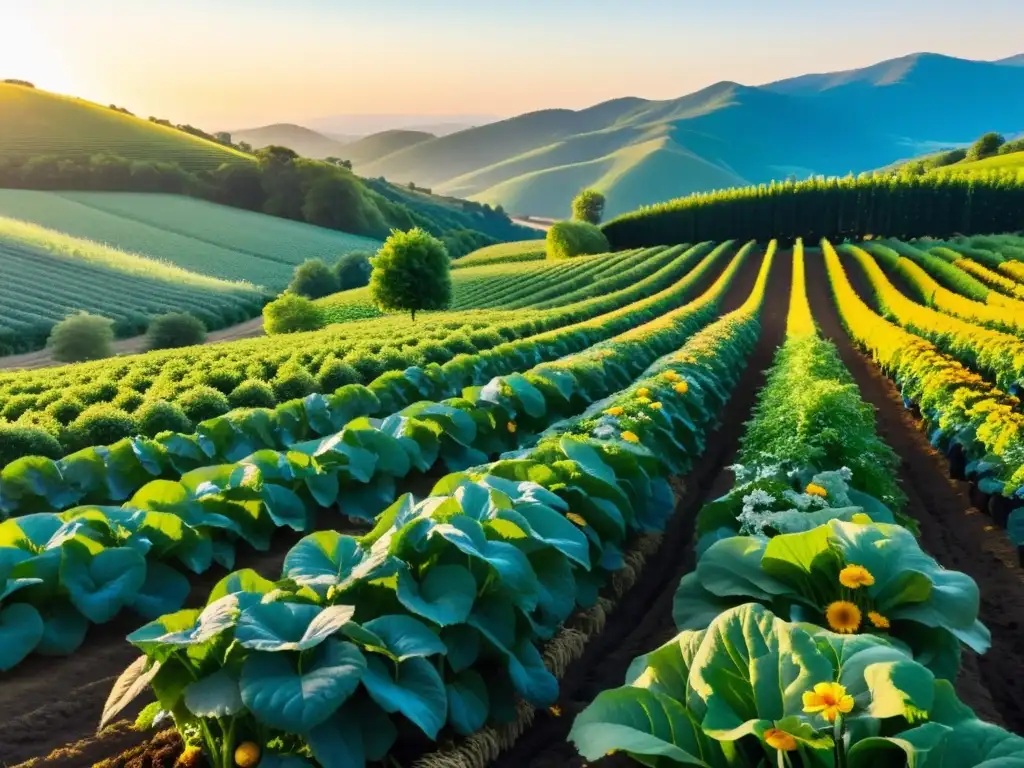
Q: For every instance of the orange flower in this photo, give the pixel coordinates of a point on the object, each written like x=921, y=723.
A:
x=656, y=406
x=855, y=577
x=830, y=699
x=511, y=426
x=843, y=617
x=644, y=400
x=615, y=411
x=682, y=388
x=572, y=517
x=779, y=740
x=643, y=392
x=878, y=620
x=630, y=437
x=816, y=490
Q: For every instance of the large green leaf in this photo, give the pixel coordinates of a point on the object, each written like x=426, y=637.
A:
x=21, y=629
x=666, y=670
x=404, y=637
x=163, y=591
x=412, y=687
x=64, y=630
x=294, y=697
x=751, y=667
x=101, y=585
x=650, y=727
x=214, y=696
x=281, y=626
x=468, y=702
x=445, y=595
x=329, y=559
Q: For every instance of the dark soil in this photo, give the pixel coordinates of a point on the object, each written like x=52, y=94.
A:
x=953, y=529
x=47, y=703
x=643, y=620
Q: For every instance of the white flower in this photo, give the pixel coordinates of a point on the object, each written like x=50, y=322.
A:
x=758, y=498
x=846, y=473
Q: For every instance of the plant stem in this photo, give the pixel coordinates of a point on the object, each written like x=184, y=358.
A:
x=228, y=748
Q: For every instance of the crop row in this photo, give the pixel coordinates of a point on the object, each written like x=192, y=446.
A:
x=355, y=466
x=432, y=620
x=997, y=355
x=814, y=630
x=103, y=474
x=174, y=390
x=1004, y=283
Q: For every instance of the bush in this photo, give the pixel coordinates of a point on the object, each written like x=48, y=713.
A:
x=129, y=400
x=17, y=441
x=82, y=337
x=353, y=270
x=291, y=313
x=575, y=238
x=588, y=207
x=102, y=424
x=411, y=272
x=334, y=374
x=293, y=381
x=314, y=280
x=252, y=393
x=66, y=410
x=16, y=406
x=97, y=392
x=202, y=403
x=158, y=416
x=986, y=146
x=223, y=379
x=177, y=329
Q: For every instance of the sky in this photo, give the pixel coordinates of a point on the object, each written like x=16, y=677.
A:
x=223, y=64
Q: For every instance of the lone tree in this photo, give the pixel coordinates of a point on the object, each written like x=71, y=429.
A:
x=588, y=206
x=986, y=146
x=411, y=272
x=314, y=280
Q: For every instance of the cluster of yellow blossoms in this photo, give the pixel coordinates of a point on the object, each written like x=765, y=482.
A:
x=844, y=616
x=830, y=700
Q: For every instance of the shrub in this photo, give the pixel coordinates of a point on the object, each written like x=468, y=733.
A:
x=252, y=393
x=42, y=420
x=588, y=206
x=16, y=406
x=129, y=400
x=17, y=440
x=202, y=403
x=177, y=329
x=82, y=337
x=411, y=272
x=103, y=424
x=334, y=374
x=986, y=146
x=290, y=314
x=66, y=410
x=293, y=381
x=314, y=280
x=575, y=238
x=158, y=416
x=224, y=379
x=353, y=270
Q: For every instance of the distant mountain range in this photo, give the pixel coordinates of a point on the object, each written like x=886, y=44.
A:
x=639, y=151
x=309, y=143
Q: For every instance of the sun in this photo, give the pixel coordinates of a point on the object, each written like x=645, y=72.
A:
x=27, y=53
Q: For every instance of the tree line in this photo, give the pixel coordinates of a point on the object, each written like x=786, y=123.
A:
x=879, y=205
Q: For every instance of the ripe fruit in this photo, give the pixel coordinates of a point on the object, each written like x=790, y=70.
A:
x=247, y=755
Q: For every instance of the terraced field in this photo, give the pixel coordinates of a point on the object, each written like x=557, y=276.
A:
x=745, y=479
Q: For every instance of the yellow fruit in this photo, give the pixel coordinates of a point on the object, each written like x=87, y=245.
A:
x=247, y=755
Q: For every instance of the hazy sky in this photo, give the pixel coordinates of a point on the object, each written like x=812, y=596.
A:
x=237, y=63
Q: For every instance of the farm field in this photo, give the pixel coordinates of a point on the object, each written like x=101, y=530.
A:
x=46, y=276
x=210, y=239
x=37, y=121
x=575, y=464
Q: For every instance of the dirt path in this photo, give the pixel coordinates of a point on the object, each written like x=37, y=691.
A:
x=643, y=620
x=953, y=530
x=42, y=358
x=41, y=711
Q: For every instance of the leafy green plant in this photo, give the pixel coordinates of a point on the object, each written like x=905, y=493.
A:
x=353, y=270
x=411, y=272
x=82, y=337
x=314, y=279
x=588, y=206
x=566, y=239
x=291, y=313
x=178, y=329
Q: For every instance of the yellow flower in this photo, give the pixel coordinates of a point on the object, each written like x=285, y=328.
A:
x=615, y=411
x=830, y=699
x=855, y=577
x=643, y=392
x=644, y=400
x=815, y=490
x=670, y=376
x=247, y=755
x=682, y=388
x=630, y=437
x=843, y=617
x=861, y=519
x=878, y=620
x=556, y=711
x=656, y=406
x=574, y=518
x=511, y=426
x=779, y=740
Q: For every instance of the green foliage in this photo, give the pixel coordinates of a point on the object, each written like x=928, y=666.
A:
x=503, y=253
x=588, y=206
x=176, y=329
x=102, y=424
x=566, y=239
x=17, y=440
x=202, y=403
x=335, y=374
x=314, y=280
x=82, y=337
x=291, y=313
x=293, y=381
x=353, y=270
x=411, y=272
x=985, y=146
x=253, y=393
x=160, y=416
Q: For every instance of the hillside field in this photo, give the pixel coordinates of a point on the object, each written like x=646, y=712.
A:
x=37, y=122
x=202, y=237
x=745, y=450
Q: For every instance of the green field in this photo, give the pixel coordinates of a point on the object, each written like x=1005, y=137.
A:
x=1009, y=161
x=202, y=237
x=524, y=250
x=36, y=122
x=46, y=276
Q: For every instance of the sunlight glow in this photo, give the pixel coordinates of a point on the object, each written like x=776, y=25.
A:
x=28, y=54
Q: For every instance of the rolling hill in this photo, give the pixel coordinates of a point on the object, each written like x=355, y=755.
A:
x=36, y=122
x=640, y=151
x=304, y=141
x=377, y=146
